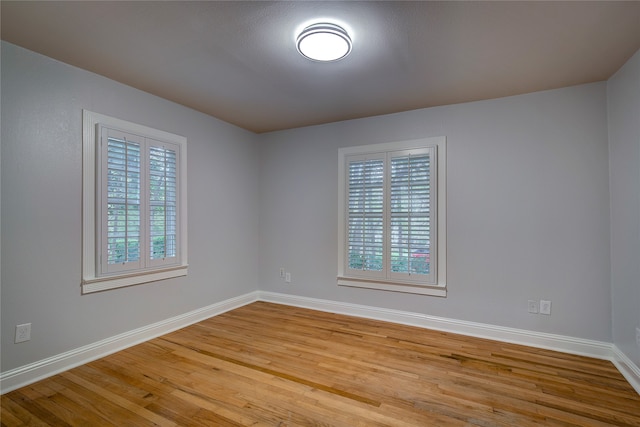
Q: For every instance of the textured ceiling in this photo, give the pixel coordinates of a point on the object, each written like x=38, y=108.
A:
x=237, y=61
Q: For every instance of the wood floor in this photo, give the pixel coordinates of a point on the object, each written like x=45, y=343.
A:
x=272, y=365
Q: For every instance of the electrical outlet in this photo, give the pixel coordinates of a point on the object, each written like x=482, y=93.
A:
x=533, y=306
x=545, y=307
x=23, y=332
x=281, y=273
x=287, y=277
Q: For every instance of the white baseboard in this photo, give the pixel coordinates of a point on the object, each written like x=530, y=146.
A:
x=627, y=368
x=597, y=349
x=33, y=372
x=565, y=344
x=28, y=374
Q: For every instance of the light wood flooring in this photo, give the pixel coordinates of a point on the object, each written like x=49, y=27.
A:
x=272, y=365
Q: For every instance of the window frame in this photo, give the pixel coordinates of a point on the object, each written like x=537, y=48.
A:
x=94, y=226
x=388, y=280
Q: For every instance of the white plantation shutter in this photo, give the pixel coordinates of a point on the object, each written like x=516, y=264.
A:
x=366, y=214
x=392, y=216
x=139, y=202
x=162, y=202
x=134, y=204
x=121, y=192
x=412, y=209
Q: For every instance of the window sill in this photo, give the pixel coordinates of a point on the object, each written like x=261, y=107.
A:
x=437, y=291
x=97, y=284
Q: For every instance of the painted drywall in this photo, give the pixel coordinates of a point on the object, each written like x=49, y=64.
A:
x=42, y=102
x=528, y=214
x=623, y=95
x=528, y=209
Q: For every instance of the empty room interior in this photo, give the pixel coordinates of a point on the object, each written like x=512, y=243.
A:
x=206, y=222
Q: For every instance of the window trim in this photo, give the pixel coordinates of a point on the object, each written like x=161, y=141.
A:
x=343, y=279
x=92, y=281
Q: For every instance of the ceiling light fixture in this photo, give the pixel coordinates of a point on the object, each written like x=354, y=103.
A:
x=324, y=42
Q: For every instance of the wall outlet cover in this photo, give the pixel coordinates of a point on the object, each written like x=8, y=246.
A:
x=532, y=306
x=545, y=307
x=23, y=333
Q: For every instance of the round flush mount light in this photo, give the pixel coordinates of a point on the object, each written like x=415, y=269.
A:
x=324, y=42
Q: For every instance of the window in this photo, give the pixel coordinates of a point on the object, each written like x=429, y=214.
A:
x=392, y=208
x=134, y=201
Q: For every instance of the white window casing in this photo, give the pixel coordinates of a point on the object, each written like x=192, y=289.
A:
x=134, y=204
x=392, y=216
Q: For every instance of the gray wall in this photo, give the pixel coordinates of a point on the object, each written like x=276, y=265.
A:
x=42, y=102
x=528, y=209
x=624, y=165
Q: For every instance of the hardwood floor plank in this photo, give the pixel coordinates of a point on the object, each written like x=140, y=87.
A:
x=16, y=413
x=135, y=413
x=37, y=404
x=271, y=365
